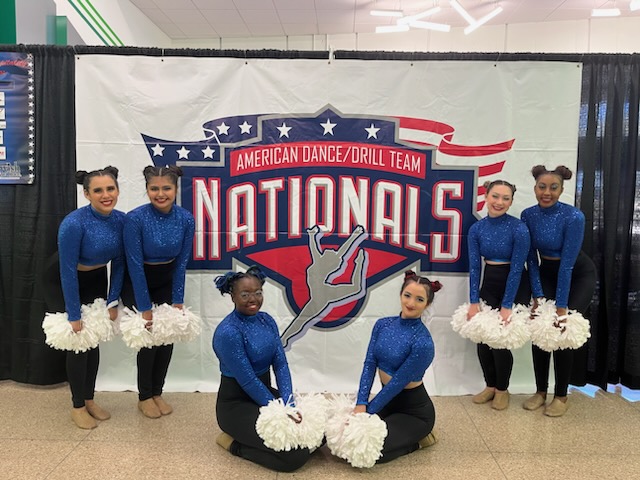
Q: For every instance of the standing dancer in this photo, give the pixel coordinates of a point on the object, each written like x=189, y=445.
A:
x=564, y=273
x=503, y=241
x=88, y=239
x=158, y=239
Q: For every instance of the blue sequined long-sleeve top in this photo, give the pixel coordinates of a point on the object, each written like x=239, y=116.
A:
x=556, y=232
x=89, y=238
x=403, y=349
x=247, y=346
x=499, y=239
x=155, y=237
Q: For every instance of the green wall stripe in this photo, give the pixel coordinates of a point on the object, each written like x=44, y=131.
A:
x=61, y=30
x=88, y=23
x=8, y=21
x=95, y=23
x=104, y=22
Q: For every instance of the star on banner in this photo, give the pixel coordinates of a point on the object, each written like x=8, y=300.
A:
x=284, y=130
x=328, y=127
x=223, y=129
x=372, y=132
x=208, y=152
x=183, y=153
x=245, y=128
x=157, y=150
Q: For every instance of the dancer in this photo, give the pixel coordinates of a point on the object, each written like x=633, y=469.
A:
x=248, y=345
x=88, y=239
x=503, y=241
x=401, y=349
x=158, y=238
x=564, y=273
x=326, y=265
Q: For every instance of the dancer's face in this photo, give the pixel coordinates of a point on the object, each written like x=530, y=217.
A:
x=413, y=300
x=162, y=193
x=102, y=194
x=499, y=199
x=247, y=295
x=548, y=189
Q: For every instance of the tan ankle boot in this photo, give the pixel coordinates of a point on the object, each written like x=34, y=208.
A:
x=224, y=440
x=82, y=419
x=484, y=396
x=429, y=440
x=500, y=400
x=164, y=407
x=96, y=411
x=534, y=402
x=556, y=408
x=149, y=408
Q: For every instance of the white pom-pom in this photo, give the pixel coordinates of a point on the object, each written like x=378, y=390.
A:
x=313, y=410
x=96, y=328
x=357, y=438
x=512, y=335
x=134, y=331
x=574, y=332
x=459, y=319
x=363, y=439
x=274, y=426
x=550, y=333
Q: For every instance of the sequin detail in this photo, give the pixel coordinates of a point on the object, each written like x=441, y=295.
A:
x=402, y=348
x=556, y=232
x=246, y=347
x=155, y=237
x=498, y=239
x=88, y=238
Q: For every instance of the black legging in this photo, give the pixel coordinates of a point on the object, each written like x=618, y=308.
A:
x=410, y=416
x=237, y=414
x=153, y=363
x=583, y=284
x=82, y=367
x=497, y=363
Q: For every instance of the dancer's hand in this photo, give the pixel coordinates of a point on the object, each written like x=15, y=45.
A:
x=505, y=313
x=179, y=306
x=76, y=325
x=113, y=313
x=474, y=308
x=561, y=311
x=360, y=409
x=297, y=417
x=148, y=316
x=534, y=307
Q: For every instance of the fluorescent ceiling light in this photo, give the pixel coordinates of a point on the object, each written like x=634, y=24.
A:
x=418, y=16
x=392, y=28
x=482, y=21
x=470, y=20
x=605, y=12
x=440, y=27
x=386, y=13
x=634, y=5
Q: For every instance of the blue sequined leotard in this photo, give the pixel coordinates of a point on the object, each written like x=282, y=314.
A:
x=556, y=232
x=499, y=239
x=88, y=238
x=246, y=347
x=155, y=237
x=403, y=349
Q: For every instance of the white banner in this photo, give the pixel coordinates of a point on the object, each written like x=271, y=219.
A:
x=334, y=177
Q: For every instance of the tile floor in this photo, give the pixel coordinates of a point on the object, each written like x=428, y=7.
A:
x=598, y=438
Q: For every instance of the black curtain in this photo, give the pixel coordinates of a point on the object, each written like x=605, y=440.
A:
x=29, y=219
x=608, y=192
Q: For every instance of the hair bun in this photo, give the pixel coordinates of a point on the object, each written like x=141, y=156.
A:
x=410, y=274
x=436, y=286
x=80, y=176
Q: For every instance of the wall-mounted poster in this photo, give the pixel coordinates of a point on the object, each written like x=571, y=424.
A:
x=17, y=118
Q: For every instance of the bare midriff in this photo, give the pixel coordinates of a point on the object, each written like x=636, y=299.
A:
x=386, y=378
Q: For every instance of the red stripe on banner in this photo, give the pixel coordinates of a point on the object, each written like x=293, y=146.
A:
x=491, y=169
x=426, y=125
x=474, y=150
x=480, y=205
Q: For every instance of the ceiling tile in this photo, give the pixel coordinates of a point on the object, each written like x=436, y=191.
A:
x=260, y=16
x=175, y=4
x=297, y=16
x=185, y=16
x=218, y=16
x=294, y=4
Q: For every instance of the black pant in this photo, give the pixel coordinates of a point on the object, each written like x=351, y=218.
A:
x=583, y=284
x=237, y=414
x=153, y=363
x=82, y=367
x=410, y=416
x=497, y=363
